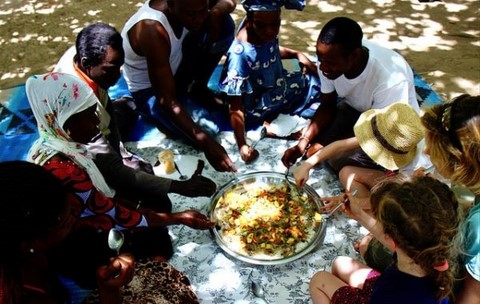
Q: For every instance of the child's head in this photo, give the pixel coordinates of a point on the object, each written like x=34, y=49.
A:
x=263, y=17
x=453, y=140
x=420, y=215
x=33, y=203
x=390, y=136
x=264, y=25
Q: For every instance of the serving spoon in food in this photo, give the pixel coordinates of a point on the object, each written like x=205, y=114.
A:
x=286, y=179
x=115, y=242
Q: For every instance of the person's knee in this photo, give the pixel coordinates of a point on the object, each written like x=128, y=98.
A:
x=318, y=280
x=339, y=263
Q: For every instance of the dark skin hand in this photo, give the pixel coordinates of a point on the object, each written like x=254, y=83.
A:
x=193, y=219
x=111, y=277
x=322, y=117
x=197, y=185
x=148, y=38
x=237, y=119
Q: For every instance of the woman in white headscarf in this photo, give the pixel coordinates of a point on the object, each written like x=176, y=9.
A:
x=54, y=98
x=64, y=107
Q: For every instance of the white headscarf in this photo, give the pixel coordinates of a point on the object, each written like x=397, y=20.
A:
x=54, y=98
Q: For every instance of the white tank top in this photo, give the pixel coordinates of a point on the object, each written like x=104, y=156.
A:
x=135, y=68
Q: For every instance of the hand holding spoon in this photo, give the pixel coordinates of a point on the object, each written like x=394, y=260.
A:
x=263, y=133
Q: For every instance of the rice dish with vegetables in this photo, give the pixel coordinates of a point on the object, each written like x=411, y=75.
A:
x=266, y=221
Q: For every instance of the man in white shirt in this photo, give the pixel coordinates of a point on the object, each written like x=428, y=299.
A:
x=355, y=76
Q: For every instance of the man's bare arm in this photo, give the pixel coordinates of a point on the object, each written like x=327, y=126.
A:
x=152, y=41
x=322, y=117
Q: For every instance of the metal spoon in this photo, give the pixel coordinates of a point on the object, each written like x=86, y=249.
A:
x=287, y=180
x=329, y=214
x=115, y=240
x=263, y=133
x=258, y=291
x=182, y=177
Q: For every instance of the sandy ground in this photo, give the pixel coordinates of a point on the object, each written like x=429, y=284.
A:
x=440, y=40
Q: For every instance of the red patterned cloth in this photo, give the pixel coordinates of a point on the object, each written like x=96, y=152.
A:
x=349, y=295
x=89, y=206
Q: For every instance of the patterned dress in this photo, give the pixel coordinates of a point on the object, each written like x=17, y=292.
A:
x=256, y=72
x=157, y=283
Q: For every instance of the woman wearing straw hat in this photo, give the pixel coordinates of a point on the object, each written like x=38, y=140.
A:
x=386, y=141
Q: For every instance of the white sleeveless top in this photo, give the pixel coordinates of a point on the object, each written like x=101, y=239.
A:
x=135, y=68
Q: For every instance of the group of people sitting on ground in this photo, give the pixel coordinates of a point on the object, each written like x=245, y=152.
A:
x=424, y=246
x=368, y=126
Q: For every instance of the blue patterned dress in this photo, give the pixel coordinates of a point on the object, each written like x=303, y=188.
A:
x=256, y=72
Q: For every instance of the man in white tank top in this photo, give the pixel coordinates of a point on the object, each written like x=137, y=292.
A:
x=157, y=69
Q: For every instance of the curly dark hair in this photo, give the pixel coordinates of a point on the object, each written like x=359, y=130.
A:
x=342, y=31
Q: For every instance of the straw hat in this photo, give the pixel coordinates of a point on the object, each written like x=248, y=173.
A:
x=390, y=135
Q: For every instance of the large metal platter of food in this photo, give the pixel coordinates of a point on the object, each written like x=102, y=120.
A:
x=263, y=218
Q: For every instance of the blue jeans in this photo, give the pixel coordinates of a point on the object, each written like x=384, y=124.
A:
x=153, y=113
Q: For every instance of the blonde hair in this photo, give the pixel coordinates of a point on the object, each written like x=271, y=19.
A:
x=453, y=140
x=420, y=215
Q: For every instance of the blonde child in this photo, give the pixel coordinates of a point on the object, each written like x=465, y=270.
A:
x=386, y=140
x=453, y=143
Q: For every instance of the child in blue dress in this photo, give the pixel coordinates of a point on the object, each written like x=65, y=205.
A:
x=256, y=85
